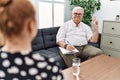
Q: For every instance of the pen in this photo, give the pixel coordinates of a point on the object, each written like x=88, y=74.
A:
x=74, y=50
x=68, y=42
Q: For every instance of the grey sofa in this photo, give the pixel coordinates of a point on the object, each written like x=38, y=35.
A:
x=45, y=44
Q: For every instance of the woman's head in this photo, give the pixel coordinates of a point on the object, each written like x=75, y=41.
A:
x=16, y=16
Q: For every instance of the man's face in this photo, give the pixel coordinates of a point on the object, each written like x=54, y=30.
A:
x=77, y=16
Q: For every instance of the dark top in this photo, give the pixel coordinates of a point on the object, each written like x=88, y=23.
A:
x=31, y=66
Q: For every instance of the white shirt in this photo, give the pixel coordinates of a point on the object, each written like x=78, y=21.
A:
x=73, y=35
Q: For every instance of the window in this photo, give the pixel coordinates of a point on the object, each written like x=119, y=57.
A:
x=51, y=13
x=58, y=14
x=59, y=0
x=45, y=14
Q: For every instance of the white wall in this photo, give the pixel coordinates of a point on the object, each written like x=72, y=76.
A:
x=35, y=5
x=67, y=11
x=109, y=10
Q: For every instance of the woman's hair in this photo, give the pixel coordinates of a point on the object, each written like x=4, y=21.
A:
x=13, y=15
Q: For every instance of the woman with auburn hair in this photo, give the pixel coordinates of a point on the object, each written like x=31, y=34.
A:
x=17, y=60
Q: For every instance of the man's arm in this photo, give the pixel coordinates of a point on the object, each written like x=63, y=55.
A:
x=94, y=37
x=61, y=43
x=61, y=36
x=66, y=46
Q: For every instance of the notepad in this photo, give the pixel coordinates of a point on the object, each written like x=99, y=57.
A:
x=64, y=51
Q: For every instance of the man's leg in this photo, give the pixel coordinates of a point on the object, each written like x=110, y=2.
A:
x=79, y=54
x=90, y=51
x=67, y=58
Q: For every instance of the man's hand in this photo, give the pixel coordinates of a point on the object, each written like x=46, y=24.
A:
x=94, y=37
x=70, y=47
x=95, y=23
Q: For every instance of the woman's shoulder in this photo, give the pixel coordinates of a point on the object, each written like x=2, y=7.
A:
x=31, y=64
x=44, y=59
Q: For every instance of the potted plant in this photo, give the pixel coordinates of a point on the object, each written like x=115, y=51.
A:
x=90, y=6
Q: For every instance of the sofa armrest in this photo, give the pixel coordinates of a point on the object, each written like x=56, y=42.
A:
x=97, y=44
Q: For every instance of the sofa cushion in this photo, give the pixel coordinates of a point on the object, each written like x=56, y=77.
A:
x=56, y=56
x=47, y=53
x=49, y=37
x=94, y=44
x=37, y=43
x=54, y=49
x=60, y=62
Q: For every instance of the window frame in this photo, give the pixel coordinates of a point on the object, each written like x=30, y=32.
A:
x=52, y=2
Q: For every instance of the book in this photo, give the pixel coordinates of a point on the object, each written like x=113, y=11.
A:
x=64, y=51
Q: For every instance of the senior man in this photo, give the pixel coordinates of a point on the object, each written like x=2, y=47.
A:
x=76, y=34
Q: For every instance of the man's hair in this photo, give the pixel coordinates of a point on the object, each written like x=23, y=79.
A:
x=78, y=7
x=13, y=15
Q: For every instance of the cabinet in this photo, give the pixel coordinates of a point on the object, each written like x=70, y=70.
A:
x=110, y=38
